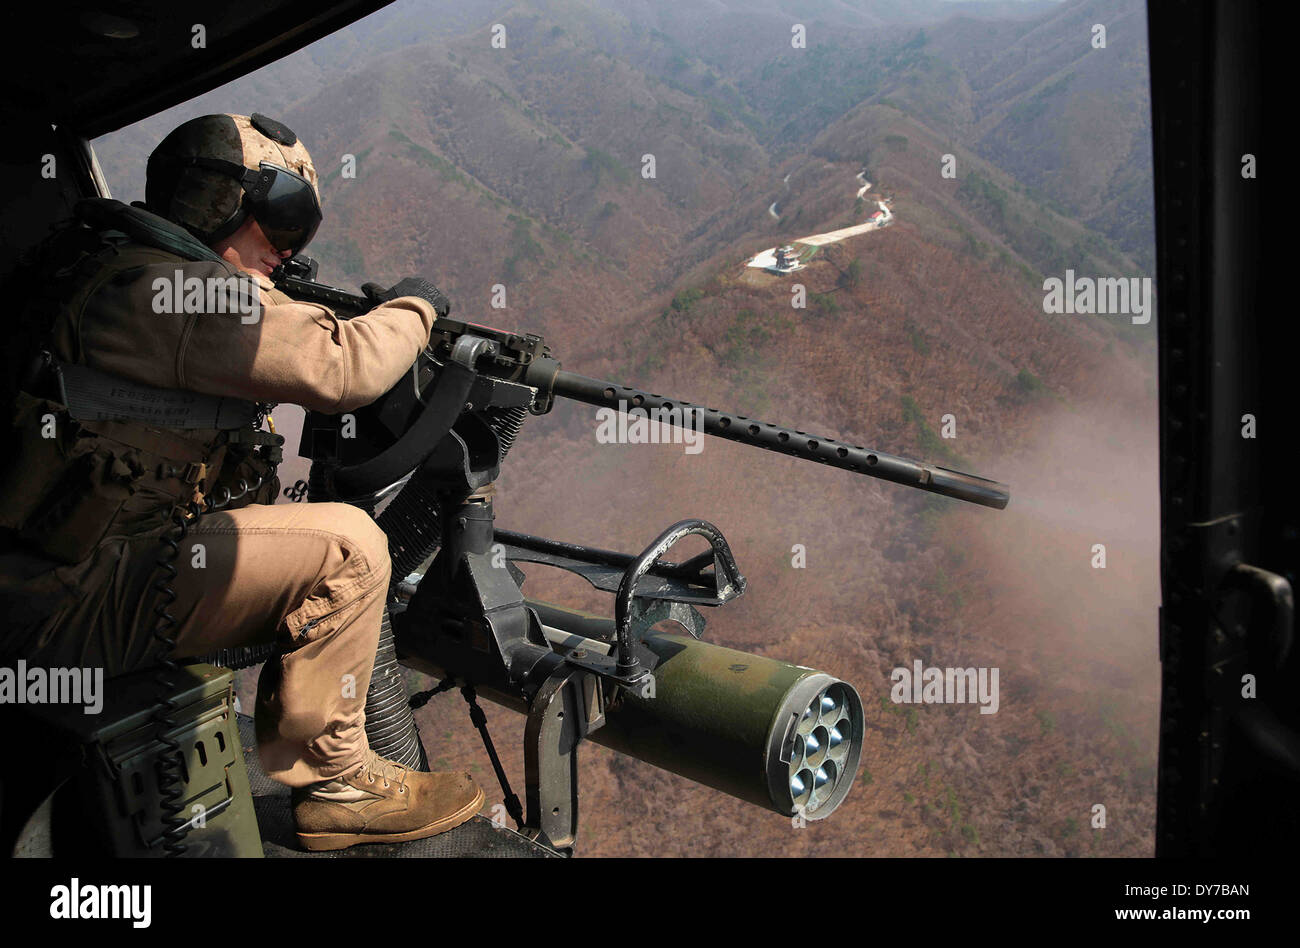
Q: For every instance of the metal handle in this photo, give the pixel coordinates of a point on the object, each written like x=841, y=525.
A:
x=724, y=568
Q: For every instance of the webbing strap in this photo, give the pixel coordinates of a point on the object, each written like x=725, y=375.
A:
x=92, y=395
x=168, y=444
x=143, y=227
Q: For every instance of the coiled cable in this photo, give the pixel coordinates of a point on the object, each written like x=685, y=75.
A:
x=171, y=762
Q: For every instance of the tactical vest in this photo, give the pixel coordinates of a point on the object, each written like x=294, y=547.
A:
x=72, y=477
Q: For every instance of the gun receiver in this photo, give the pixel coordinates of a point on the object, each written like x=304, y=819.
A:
x=525, y=359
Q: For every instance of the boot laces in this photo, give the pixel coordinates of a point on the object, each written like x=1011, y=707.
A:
x=375, y=766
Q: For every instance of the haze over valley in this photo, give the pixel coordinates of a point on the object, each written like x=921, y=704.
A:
x=523, y=166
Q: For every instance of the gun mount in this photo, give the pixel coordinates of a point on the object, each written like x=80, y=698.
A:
x=781, y=736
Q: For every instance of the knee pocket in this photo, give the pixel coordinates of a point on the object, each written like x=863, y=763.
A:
x=357, y=531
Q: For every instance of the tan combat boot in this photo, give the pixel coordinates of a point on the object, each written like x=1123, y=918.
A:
x=379, y=801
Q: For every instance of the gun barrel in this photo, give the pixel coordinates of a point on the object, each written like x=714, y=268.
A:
x=800, y=444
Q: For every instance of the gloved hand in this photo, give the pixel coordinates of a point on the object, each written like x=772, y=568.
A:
x=411, y=286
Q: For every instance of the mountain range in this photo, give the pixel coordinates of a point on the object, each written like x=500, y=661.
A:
x=525, y=166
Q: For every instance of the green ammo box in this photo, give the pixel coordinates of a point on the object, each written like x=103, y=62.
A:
x=118, y=776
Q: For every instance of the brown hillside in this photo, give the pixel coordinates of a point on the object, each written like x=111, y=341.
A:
x=522, y=167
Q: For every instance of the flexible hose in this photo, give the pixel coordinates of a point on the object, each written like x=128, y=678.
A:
x=390, y=726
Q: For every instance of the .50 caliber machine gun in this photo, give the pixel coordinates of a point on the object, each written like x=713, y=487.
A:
x=782, y=736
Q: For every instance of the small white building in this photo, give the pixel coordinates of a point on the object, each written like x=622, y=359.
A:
x=787, y=260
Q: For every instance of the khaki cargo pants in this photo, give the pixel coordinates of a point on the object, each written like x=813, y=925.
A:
x=311, y=576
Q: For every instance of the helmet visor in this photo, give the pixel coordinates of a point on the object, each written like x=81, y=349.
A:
x=288, y=211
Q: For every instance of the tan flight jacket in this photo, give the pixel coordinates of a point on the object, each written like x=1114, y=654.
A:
x=296, y=352
x=63, y=495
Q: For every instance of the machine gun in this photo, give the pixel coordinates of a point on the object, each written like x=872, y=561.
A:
x=782, y=736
